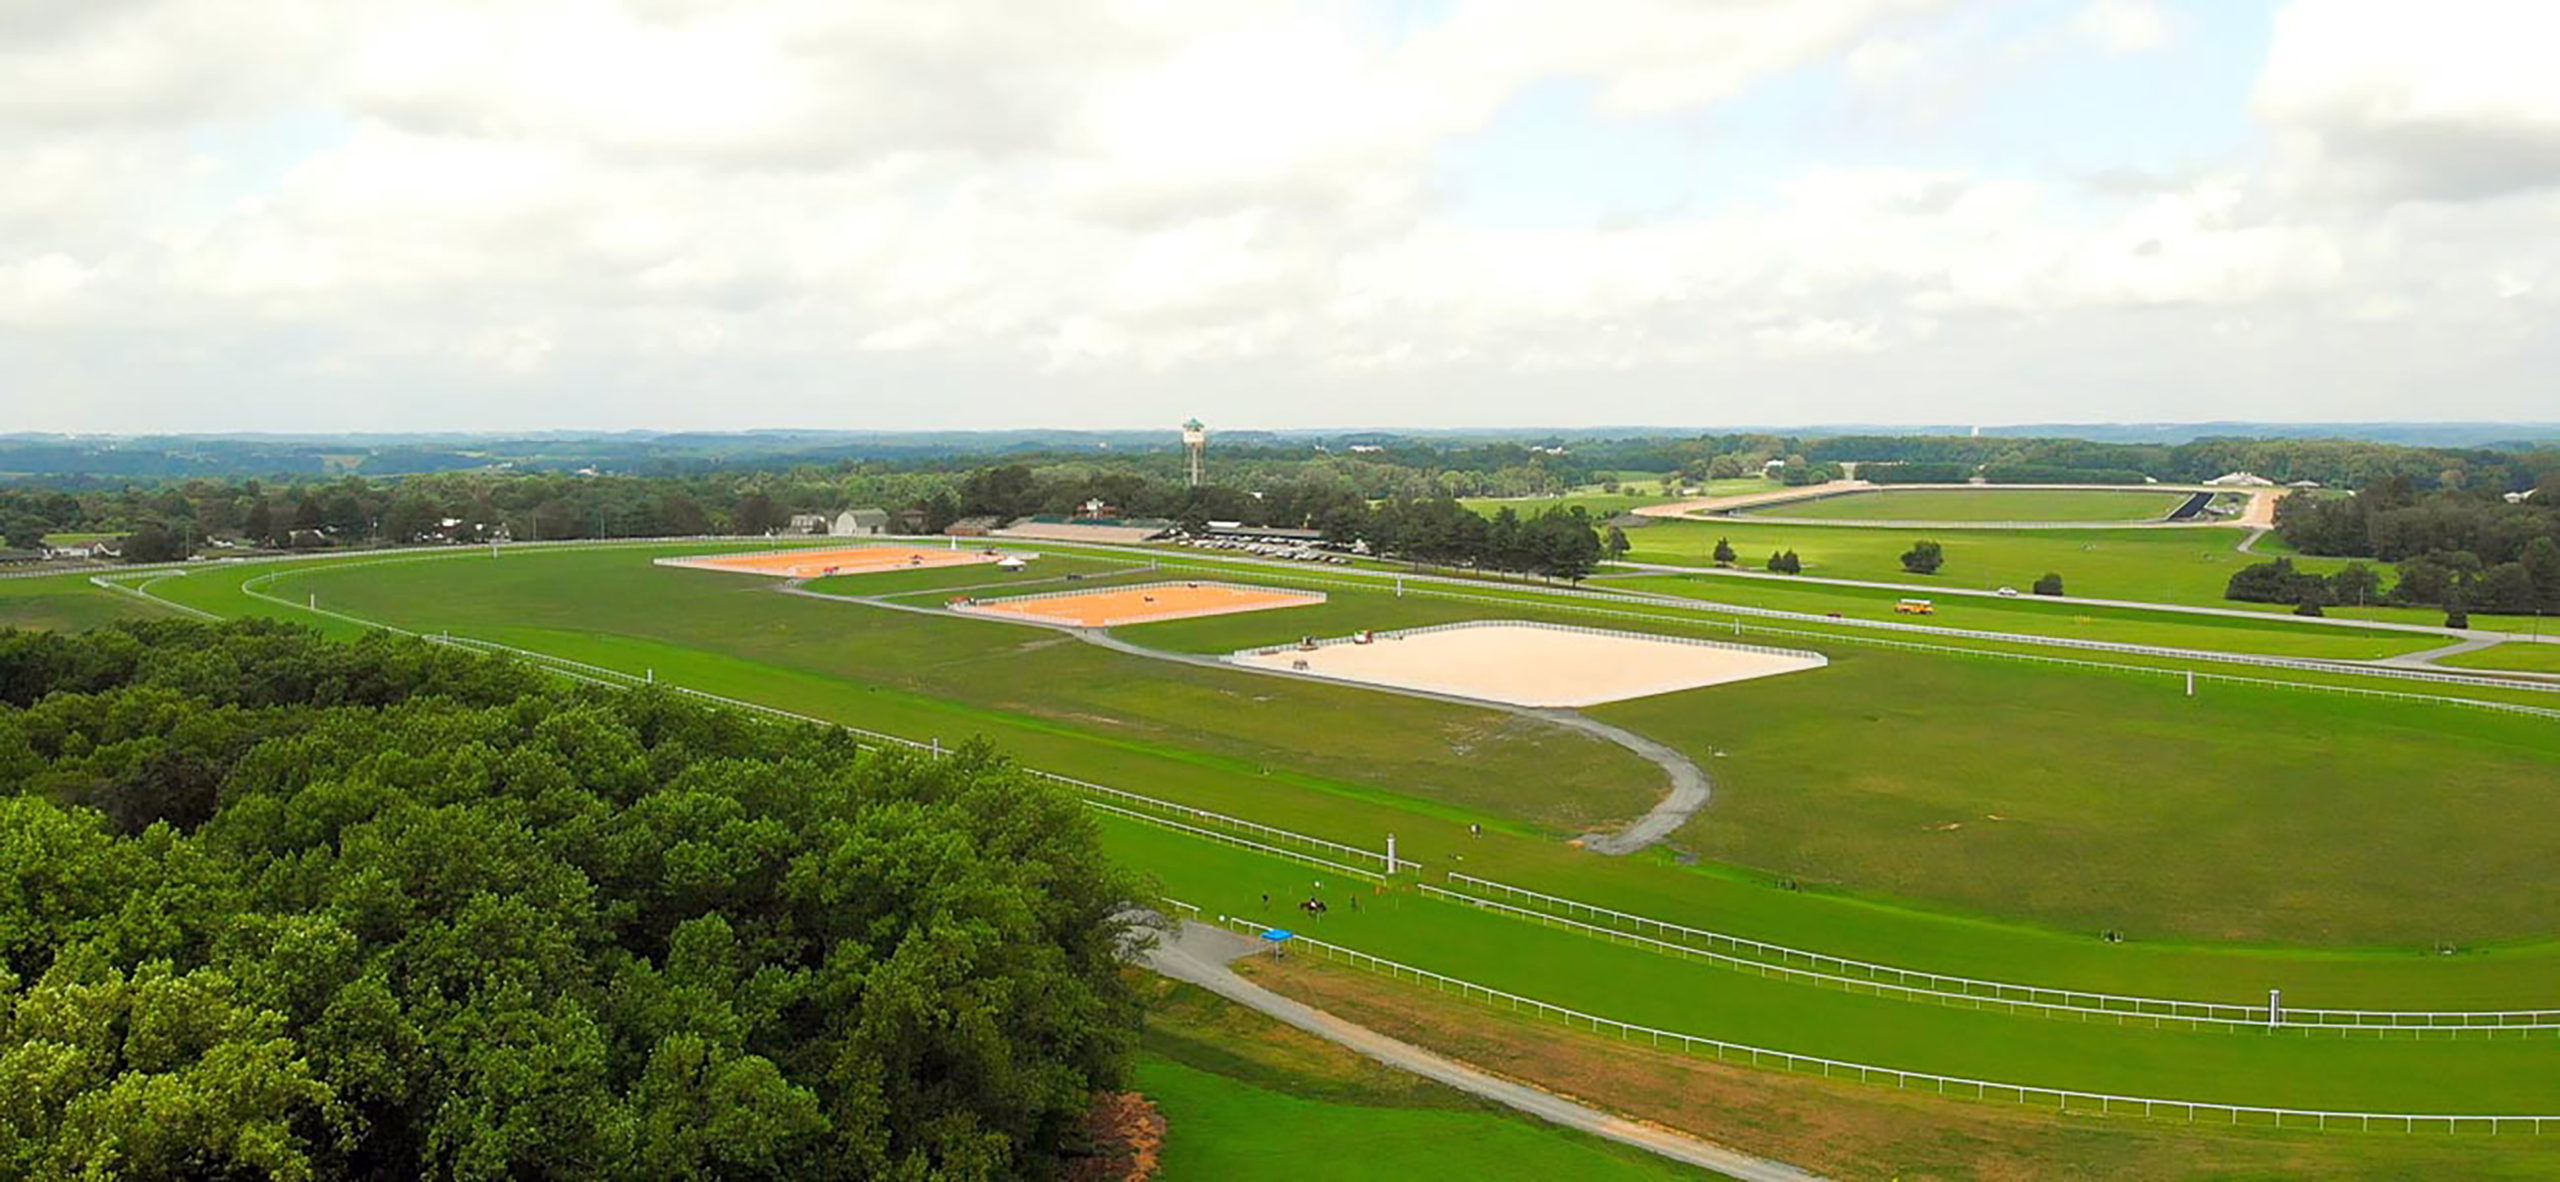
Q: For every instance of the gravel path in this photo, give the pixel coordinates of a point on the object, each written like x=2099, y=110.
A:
x=1198, y=953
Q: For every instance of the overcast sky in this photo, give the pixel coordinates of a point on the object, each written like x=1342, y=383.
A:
x=321, y=215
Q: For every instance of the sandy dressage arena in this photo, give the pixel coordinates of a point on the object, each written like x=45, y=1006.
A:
x=1531, y=664
x=838, y=560
x=1111, y=607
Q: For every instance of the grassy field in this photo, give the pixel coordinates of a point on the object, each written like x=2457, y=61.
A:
x=2188, y=566
x=1245, y=1097
x=2526, y=657
x=2175, y=566
x=2270, y=636
x=1984, y=504
x=623, y=611
x=1636, y=985
x=1633, y=494
x=1841, y=1128
x=1359, y=807
x=66, y=603
x=1478, y=759
x=2111, y=787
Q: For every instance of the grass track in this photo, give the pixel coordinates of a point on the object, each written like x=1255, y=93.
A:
x=1983, y=505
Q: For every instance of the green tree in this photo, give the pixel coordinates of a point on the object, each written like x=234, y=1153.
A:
x=2356, y=584
x=1724, y=555
x=583, y=935
x=2541, y=559
x=1785, y=562
x=1616, y=543
x=2050, y=584
x=153, y=542
x=1923, y=558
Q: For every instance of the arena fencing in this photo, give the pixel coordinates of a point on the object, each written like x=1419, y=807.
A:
x=1386, y=580
x=2056, y=1099
x=1866, y=977
x=1620, y=633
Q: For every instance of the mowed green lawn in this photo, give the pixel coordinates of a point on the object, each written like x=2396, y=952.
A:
x=2029, y=615
x=2180, y=566
x=67, y=603
x=2523, y=656
x=1372, y=800
x=1983, y=504
x=1634, y=984
x=1634, y=493
x=1479, y=759
x=1247, y=1097
x=2240, y=814
x=2189, y=566
x=2120, y=802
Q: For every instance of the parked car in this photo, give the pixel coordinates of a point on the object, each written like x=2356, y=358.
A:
x=2008, y=593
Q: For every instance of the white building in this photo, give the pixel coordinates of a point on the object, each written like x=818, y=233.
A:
x=2241, y=480
x=860, y=523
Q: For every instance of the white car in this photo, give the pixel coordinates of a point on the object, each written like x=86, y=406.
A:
x=2008, y=593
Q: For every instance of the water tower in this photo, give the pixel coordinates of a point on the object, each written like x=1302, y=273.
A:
x=1195, y=439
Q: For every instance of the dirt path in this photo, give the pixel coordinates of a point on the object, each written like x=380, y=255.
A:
x=1689, y=792
x=1199, y=953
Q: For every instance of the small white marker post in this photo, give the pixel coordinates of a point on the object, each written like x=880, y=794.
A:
x=937, y=747
x=314, y=602
x=653, y=677
x=2191, y=683
x=2275, y=1008
x=1391, y=855
x=1399, y=586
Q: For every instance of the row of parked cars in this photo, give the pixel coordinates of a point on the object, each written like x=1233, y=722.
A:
x=1293, y=552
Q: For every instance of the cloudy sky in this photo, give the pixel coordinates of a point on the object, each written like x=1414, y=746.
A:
x=392, y=215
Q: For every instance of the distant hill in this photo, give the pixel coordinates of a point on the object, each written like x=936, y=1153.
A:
x=161, y=457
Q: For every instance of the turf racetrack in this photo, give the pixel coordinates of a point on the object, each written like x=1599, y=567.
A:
x=1933, y=734
x=1989, y=504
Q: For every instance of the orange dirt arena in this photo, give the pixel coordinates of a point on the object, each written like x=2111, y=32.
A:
x=840, y=560
x=1145, y=603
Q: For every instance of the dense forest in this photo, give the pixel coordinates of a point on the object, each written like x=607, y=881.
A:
x=275, y=906
x=2454, y=549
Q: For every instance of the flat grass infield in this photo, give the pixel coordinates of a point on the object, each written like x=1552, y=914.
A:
x=2525, y=657
x=1245, y=1097
x=1946, y=740
x=1987, y=505
x=1634, y=985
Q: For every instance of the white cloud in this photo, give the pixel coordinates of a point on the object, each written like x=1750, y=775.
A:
x=556, y=211
x=2452, y=100
x=2124, y=26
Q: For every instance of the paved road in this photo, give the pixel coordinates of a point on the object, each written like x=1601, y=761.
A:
x=1198, y=953
x=1690, y=787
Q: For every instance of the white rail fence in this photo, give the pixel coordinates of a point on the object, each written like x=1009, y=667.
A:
x=2059, y=1099
x=1867, y=977
x=1699, y=606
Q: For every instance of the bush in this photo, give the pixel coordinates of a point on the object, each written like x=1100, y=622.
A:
x=1785, y=562
x=2050, y=584
x=1924, y=558
x=2308, y=607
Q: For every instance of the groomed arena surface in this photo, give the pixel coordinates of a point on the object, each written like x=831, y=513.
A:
x=1111, y=607
x=845, y=560
x=1530, y=664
